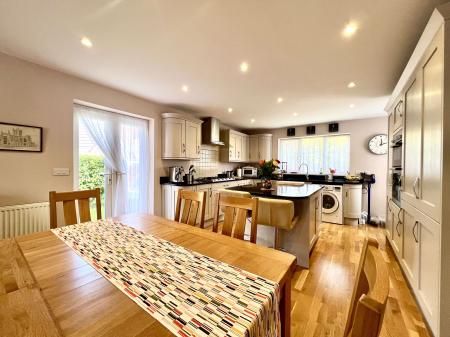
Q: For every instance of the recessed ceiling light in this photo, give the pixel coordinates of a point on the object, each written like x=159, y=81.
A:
x=230, y=110
x=279, y=99
x=351, y=85
x=351, y=106
x=295, y=114
x=244, y=67
x=85, y=41
x=252, y=120
x=350, y=29
x=185, y=88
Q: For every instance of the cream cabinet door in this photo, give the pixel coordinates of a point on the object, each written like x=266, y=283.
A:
x=193, y=140
x=430, y=182
x=174, y=138
x=245, y=148
x=397, y=239
x=253, y=149
x=410, y=255
x=389, y=219
x=238, y=148
x=232, y=147
x=398, y=114
x=412, y=141
x=265, y=147
x=429, y=268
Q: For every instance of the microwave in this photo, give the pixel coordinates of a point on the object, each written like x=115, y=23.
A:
x=397, y=151
x=249, y=172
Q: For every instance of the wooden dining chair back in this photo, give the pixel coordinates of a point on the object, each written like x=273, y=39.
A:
x=69, y=201
x=192, y=203
x=235, y=211
x=370, y=294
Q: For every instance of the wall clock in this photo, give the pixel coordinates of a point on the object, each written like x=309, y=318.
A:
x=378, y=144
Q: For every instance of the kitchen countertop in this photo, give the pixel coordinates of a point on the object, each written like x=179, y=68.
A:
x=316, y=179
x=280, y=192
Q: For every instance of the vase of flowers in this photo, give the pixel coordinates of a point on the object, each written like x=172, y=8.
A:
x=331, y=174
x=266, y=170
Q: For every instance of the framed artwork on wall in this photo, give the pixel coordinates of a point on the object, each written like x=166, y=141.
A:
x=17, y=137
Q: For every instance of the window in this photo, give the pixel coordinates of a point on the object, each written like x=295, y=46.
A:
x=319, y=152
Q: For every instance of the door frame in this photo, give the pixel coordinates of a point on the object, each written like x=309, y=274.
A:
x=151, y=148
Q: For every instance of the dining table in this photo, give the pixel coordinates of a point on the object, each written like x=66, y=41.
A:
x=46, y=289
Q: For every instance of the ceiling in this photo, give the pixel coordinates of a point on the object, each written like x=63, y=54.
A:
x=294, y=48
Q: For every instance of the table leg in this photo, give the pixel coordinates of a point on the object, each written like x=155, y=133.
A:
x=285, y=309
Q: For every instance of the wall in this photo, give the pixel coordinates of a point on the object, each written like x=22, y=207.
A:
x=35, y=95
x=361, y=159
x=207, y=166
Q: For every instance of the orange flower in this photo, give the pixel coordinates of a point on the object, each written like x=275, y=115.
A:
x=261, y=162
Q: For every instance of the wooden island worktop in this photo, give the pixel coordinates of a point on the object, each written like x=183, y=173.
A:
x=307, y=201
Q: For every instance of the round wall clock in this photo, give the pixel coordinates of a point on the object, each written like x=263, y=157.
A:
x=378, y=144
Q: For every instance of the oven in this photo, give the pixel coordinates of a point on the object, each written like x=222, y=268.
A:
x=396, y=177
x=397, y=150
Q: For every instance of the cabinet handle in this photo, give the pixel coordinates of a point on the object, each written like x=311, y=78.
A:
x=414, y=231
x=416, y=182
x=389, y=205
x=398, y=222
x=184, y=148
x=198, y=149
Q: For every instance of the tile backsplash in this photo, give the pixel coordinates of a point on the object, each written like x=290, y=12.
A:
x=208, y=165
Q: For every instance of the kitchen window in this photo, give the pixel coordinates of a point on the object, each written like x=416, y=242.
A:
x=319, y=152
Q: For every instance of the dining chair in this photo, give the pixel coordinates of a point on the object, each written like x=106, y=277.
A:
x=235, y=209
x=278, y=214
x=370, y=293
x=69, y=200
x=192, y=202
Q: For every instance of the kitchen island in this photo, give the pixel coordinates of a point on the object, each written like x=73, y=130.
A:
x=307, y=212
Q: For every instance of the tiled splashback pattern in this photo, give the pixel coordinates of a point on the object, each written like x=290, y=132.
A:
x=208, y=165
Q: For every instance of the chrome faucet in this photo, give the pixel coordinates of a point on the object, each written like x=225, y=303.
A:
x=307, y=169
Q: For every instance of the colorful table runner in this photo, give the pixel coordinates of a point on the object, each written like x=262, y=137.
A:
x=189, y=293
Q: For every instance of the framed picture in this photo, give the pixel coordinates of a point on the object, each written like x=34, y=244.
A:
x=16, y=137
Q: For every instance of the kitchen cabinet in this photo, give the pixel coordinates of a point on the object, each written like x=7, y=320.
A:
x=423, y=132
x=422, y=223
x=397, y=236
x=260, y=147
x=170, y=195
x=398, y=114
x=315, y=211
x=169, y=199
x=181, y=137
x=389, y=219
x=236, y=146
x=420, y=259
x=265, y=147
x=352, y=201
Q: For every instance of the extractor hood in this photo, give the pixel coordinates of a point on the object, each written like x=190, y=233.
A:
x=211, y=131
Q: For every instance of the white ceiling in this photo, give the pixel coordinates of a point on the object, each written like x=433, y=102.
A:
x=295, y=50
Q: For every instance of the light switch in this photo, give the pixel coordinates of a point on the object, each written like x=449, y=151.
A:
x=61, y=171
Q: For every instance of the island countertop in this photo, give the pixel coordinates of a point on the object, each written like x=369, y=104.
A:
x=280, y=191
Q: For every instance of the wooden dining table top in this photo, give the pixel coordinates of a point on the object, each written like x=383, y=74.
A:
x=83, y=303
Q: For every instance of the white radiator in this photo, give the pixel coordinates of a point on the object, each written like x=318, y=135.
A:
x=24, y=219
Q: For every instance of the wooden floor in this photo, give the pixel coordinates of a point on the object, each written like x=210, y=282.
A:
x=321, y=295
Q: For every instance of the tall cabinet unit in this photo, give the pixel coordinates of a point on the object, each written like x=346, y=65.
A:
x=418, y=229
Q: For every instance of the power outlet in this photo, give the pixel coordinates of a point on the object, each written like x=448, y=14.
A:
x=61, y=171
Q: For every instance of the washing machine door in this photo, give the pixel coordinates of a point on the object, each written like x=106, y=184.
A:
x=330, y=203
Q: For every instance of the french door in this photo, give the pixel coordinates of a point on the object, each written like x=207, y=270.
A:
x=113, y=155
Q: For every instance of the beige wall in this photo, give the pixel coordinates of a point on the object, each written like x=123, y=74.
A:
x=34, y=95
x=361, y=159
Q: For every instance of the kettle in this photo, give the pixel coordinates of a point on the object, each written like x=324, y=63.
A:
x=175, y=174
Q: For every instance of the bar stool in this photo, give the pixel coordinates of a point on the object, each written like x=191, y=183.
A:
x=278, y=214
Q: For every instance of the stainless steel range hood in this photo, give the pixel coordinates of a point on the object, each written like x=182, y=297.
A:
x=211, y=131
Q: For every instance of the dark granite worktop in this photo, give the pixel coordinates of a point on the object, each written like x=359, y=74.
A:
x=281, y=191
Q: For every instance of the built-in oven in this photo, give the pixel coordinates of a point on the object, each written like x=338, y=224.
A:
x=397, y=150
x=396, y=177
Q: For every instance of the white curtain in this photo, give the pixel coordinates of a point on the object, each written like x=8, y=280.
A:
x=320, y=153
x=124, y=143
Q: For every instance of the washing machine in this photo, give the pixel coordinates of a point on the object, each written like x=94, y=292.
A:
x=332, y=207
